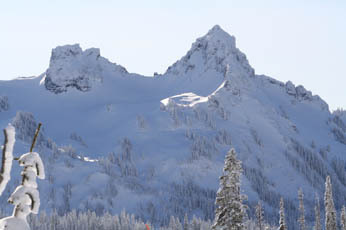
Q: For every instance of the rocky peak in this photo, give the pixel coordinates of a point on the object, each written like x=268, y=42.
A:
x=217, y=51
x=65, y=52
x=219, y=38
x=71, y=67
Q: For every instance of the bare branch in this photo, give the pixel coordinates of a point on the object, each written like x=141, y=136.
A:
x=35, y=137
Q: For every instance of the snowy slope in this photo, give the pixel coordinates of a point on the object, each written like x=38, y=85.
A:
x=155, y=146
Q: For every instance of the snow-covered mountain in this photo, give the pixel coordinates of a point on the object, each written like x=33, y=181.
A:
x=155, y=146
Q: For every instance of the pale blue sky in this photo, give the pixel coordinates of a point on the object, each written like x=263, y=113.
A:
x=301, y=41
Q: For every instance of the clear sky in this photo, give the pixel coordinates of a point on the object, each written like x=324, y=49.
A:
x=301, y=41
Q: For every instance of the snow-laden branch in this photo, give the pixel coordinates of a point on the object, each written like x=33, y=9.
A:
x=7, y=157
x=32, y=163
x=28, y=196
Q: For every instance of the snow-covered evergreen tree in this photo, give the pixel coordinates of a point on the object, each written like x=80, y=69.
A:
x=4, y=105
x=318, y=225
x=343, y=218
x=124, y=161
x=259, y=216
x=282, y=221
x=25, y=125
x=330, y=221
x=230, y=210
x=174, y=224
x=301, y=210
x=26, y=197
x=186, y=222
x=195, y=225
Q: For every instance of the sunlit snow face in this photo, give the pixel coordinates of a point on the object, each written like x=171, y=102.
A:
x=13, y=223
x=3, y=225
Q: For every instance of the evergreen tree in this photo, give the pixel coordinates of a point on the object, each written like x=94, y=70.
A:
x=259, y=216
x=195, y=225
x=186, y=222
x=230, y=210
x=330, y=221
x=171, y=224
x=178, y=225
x=301, y=210
x=318, y=225
x=343, y=218
x=282, y=221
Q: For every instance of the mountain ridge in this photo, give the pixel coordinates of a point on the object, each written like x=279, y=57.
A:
x=150, y=144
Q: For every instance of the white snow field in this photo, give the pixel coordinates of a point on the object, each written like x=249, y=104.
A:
x=154, y=146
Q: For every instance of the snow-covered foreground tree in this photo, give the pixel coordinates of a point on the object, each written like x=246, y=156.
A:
x=7, y=157
x=259, y=216
x=301, y=210
x=26, y=197
x=230, y=212
x=343, y=218
x=282, y=221
x=318, y=225
x=330, y=221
